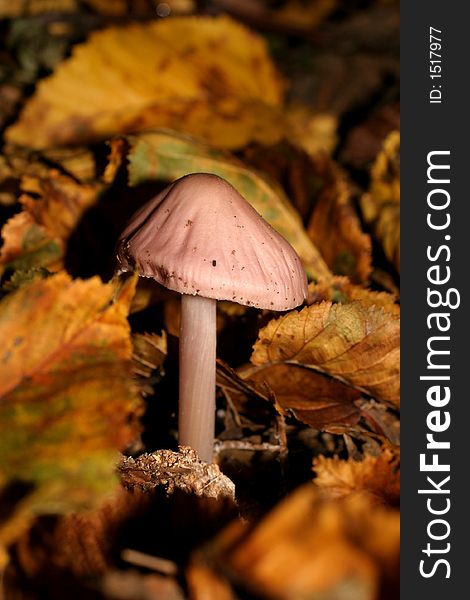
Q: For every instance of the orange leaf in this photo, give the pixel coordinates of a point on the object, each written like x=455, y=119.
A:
x=376, y=476
x=310, y=547
x=68, y=402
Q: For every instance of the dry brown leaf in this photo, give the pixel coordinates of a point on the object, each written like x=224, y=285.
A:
x=381, y=204
x=355, y=343
x=310, y=547
x=208, y=76
x=68, y=402
x=376, y=476
x=340, y=289
x=37, y=236
x=335, y=228
x=314, y=399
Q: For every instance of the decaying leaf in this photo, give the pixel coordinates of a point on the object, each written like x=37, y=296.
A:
x=68, y=402
x=381, y=204
x=376, y=476
x=355, y=343
x=340, y=289
x=37, y=236
x=167, y=155
x=312, y=398
x=335, y=229
x=207, y=76
x=310, y=547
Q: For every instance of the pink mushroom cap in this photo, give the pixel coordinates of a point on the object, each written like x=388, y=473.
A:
x=200, y=236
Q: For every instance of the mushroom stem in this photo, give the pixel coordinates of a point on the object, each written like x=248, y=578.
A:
x=197, y=374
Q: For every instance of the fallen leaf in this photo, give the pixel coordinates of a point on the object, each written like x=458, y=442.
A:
x=340, y=289
x=335, y=228
x=37, y=236
x=375, y=476
x=68, y=402
x=356, y=344
x=310, y=547
x=312, y=398
x=208, y=76
x=167, y=156
x=381, y=204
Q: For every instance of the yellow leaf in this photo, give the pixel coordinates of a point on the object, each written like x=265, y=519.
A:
x=313, y=132
x=67, y=399
x=340, y=289
x=208, y=76
x=381, y=204
x=355, y=343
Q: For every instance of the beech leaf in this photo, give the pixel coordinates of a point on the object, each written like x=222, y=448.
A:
x=67, y=399
x=316, y=400
x=208, y=76
x=354, y=343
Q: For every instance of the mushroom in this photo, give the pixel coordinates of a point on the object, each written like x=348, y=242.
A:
x=201, y=238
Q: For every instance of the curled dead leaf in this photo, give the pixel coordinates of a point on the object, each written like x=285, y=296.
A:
x=375, y=476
